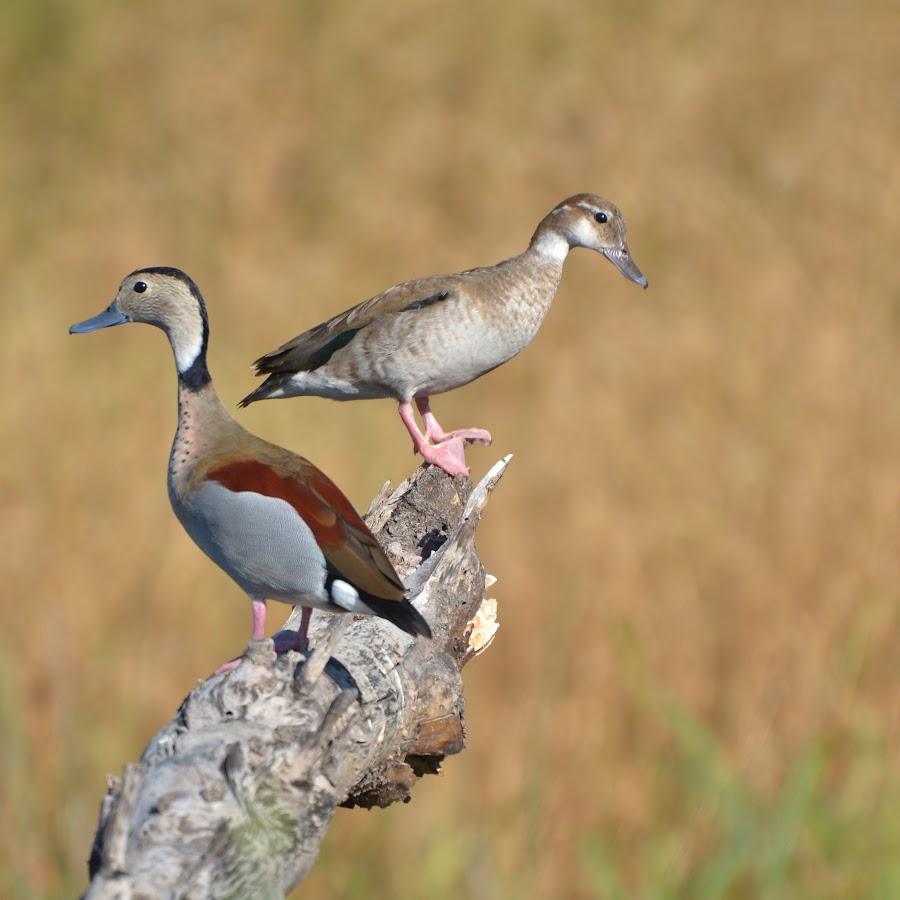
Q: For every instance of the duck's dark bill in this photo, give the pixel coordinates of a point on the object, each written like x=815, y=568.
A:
x=625, y=264
x=109, y=316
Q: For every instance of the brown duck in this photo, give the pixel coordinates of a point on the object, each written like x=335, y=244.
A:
x=432, y=335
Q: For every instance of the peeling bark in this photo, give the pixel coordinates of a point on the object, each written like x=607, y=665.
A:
x=233, y=797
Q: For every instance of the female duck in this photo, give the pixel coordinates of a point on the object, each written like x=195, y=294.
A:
x=435, y=334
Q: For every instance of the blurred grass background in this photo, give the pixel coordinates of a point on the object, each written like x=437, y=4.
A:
x=694, y=689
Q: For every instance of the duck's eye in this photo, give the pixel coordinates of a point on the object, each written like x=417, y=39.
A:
x=140, y=287
x=601, y=217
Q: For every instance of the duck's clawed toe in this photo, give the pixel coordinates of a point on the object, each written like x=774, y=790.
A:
x=227, y=667
x=449, y=455
x=469, y=435
x=437, y=435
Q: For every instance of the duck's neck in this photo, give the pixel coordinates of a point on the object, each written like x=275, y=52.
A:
x=202, y=417
x=549, y=246
x=201, y=405
x=196, y=376
x=203, y=422
x=196, y=394
x=534, y=275
x=187, y=328
x=550, y=240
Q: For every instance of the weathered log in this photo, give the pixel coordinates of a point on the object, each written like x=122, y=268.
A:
x=233, y=797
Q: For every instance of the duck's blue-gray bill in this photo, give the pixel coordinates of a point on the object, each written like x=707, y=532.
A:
x=109, y=316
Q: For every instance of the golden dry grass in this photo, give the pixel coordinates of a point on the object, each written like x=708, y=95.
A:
x=697, y=543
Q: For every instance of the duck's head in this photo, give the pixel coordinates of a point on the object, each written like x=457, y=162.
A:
x=586, y=220
x=166, y=298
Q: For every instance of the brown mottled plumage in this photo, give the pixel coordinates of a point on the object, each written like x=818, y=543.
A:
x=435, y=334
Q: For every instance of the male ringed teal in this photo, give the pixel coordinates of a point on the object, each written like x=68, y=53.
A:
x=273, y=521
x=432, y=335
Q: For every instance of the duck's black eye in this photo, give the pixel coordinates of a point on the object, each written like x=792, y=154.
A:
x=601, y=217
x=140, y=287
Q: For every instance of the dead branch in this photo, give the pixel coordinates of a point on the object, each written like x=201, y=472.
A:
x=233, y=797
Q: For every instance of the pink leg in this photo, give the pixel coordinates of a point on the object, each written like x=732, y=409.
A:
x=259, y=631
x=449, y=456
x=295, y=640
x=259, y=619
x=435, y=433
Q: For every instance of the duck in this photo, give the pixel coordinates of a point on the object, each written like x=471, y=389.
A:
x=273, y=521
x=435, y=334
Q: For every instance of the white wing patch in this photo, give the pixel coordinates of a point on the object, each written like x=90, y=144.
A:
x=347, y=597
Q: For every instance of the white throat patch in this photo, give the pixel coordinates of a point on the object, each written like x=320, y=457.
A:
x=186, y=352
x=186, y=335
x=552, y=245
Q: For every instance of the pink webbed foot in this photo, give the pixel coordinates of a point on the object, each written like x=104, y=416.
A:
x=448, y=455
x=436, y=434
x=469, y=435
x=227, y=667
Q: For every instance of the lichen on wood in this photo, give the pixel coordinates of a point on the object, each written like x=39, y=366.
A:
x=233, y=797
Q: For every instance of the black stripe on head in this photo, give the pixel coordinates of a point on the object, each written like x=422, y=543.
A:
x=171, y=272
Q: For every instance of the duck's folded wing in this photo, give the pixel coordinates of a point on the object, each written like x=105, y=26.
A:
x=313, y=348
x=349, y=547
